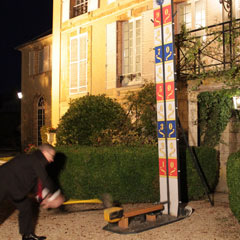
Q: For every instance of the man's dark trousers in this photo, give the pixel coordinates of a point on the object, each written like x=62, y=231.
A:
x=25, y=217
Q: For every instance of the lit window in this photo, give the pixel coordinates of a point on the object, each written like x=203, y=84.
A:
x=41, y=119
x=192, y=15
x=132, y=54
x=200, y=15
x=185, y=15
x=80, y=7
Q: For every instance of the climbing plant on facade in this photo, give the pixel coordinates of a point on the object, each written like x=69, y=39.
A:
x=215, y=111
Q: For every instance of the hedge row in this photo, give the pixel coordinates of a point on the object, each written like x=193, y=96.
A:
x=233, y=182
x=129, y=174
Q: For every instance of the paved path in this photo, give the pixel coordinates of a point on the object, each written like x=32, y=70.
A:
x=86, y=222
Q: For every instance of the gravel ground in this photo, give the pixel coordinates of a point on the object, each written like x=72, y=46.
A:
x=86, y=221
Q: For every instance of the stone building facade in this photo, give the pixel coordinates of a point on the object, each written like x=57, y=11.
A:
x=103, y=47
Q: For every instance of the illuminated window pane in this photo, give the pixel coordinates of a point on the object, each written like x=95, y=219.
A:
x=132, y=42
x=80, y=7
x=200, y=15
x=40, y=119
x=186, y=16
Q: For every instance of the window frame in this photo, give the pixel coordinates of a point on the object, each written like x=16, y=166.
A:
x=41, y=118
x=76, y=6
x=193, y=13
x=132, y=76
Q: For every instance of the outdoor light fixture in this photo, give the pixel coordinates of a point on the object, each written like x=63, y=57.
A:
x=227, y=5
x=236, y=102
x=19, y=94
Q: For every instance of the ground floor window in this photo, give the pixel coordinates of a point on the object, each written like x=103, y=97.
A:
x=40, y=118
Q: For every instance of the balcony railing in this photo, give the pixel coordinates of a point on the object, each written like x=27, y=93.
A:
x=210, y=49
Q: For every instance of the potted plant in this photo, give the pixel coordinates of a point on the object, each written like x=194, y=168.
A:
x=51, y=135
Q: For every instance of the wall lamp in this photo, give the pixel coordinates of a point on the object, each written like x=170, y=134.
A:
x=19, y=94
x=236, y=102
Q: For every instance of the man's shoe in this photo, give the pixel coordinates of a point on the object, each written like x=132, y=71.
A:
x=32, y=236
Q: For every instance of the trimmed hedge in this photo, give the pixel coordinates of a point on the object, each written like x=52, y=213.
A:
x=130, y=174
x=233, y=182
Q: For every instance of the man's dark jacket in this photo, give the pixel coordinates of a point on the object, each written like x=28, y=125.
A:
x=19, y=176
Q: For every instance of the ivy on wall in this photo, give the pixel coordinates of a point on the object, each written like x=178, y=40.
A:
x=215, y=111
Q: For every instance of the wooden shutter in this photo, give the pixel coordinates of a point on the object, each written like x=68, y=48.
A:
x=74, y=65
x=31, y=63
x=111, y=55
x=147, y=46
x=65, y=10
x=82, y=71
x=119, y=53
x=46, y=58
x=40, y=60
x=92, y=5
x=78, y=64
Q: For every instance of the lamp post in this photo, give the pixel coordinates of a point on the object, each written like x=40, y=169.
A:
x=227, y=5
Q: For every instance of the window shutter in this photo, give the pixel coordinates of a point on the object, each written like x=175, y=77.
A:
x=73, y=65
x=31, y=63
x=111, y=55
x=147, y=46
x=46, y=58
x=119, y=54
x=83, y=63
x=50, y=57
x=65, y=10
x=35, y=63
x=92, y=5
x=40, y=61
x=78, y=64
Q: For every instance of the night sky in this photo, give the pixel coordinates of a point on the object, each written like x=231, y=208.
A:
x=21, y=21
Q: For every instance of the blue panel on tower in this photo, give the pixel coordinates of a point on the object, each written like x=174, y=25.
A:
x=171, y=129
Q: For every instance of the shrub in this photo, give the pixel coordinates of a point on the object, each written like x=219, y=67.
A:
x=141, y=107
x=233, y=182
x=127, y=136
x=191, y=184
x=87, y=117
x=130, y=174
